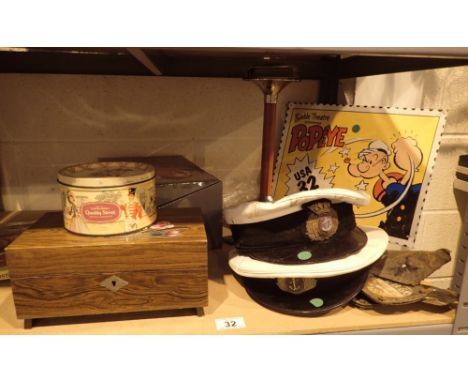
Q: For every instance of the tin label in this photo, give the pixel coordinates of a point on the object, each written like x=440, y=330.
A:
x=100, y=212
x=109, y=211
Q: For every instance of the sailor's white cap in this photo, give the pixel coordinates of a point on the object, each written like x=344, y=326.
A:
x=371, y=252
x=254, y=212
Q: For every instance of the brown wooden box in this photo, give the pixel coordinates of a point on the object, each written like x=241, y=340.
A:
x=55, y=273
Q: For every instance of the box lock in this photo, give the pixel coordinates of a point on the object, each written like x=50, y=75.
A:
x=113, y=283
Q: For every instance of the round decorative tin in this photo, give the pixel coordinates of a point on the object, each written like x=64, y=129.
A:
x=108, y=198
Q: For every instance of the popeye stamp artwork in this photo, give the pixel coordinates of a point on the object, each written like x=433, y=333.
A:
x=387, y=153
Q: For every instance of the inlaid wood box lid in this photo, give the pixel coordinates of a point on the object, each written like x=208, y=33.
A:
x=177, y=238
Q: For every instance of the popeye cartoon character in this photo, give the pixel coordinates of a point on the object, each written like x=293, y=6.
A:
x=393, y=189
x=132, y=210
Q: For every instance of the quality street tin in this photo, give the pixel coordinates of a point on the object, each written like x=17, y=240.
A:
x=108, y=198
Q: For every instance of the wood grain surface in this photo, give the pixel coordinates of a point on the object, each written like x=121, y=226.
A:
x=82, y=294
x=55, y=273
x=48, y=232
x=46, y=249
x=37, y=262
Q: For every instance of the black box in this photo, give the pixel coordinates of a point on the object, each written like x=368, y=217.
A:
x=182, y=184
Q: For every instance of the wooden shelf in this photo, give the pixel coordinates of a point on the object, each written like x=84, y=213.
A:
x=227, y=299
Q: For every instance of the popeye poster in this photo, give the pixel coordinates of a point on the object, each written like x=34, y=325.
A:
x=386, y=152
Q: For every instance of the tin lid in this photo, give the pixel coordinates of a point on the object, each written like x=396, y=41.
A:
x=105, y=174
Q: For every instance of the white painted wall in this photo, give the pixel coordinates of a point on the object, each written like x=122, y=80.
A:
x=51, y=121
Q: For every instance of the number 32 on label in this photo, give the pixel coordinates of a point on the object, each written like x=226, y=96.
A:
x=230, y=323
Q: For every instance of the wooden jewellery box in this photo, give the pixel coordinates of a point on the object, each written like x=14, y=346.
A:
x=55, y=273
